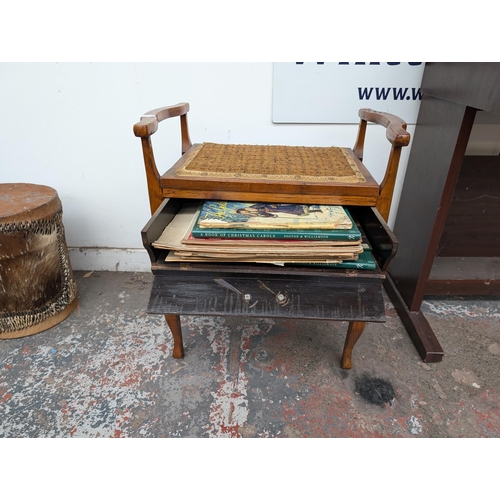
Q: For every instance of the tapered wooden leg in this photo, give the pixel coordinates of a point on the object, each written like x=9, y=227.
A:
x=353, y=333
x=174, y=323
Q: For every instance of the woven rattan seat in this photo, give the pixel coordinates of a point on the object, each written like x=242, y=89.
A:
x=281, y=163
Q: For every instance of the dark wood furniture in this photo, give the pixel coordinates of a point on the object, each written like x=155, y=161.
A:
x=447, y=220
x=301, y=292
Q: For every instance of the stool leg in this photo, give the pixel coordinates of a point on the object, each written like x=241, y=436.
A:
x=174, y=323
x=353, y=333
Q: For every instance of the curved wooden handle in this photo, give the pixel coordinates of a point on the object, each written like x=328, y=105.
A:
x=145, y=129
x=150, y=120
x=396, y=128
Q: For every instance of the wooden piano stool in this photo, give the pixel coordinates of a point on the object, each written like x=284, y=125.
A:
x=279, y=174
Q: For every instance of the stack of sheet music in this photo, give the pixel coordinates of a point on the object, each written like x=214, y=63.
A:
x=277, y=233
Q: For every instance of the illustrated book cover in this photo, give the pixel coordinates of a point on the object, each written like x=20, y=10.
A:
x=248, y=215
x=352, y=234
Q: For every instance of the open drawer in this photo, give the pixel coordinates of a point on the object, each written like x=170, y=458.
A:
x=266, y=290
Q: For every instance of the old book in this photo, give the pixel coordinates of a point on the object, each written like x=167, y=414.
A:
x=351, y=234
x=173, y=257
x=246, y=215
x=255, y=242
x=261, y=253
x=179, y=228
x=365, y=261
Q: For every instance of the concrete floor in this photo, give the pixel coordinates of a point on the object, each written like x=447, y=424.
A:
x=107, y=371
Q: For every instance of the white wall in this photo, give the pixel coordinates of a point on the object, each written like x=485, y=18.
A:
x=69, y=126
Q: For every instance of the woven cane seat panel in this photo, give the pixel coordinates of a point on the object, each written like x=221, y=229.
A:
x=280, y=163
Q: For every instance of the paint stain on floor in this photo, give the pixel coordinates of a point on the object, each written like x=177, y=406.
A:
x=375, y=390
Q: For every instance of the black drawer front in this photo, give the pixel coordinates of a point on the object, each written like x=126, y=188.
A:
x=306, y=297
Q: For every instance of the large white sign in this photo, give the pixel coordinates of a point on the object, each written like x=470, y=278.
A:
x=333, y=92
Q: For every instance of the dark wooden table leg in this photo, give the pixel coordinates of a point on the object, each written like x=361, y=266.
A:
x=174, y=323
x=353, y=333
x=416, y=325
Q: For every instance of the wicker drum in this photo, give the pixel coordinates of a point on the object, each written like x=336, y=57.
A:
x=37, y=287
